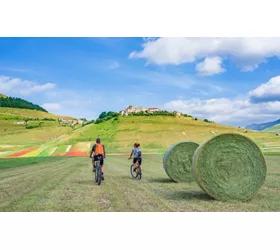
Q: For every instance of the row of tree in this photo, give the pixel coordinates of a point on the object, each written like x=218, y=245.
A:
x=105, y=116
x=14, y=102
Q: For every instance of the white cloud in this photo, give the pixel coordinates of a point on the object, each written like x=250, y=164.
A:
x=266, y=92
x=227, y=111
x=51, y=107
x=210, y=66
x=79, y=103
x=260, y=105
x=247, y=52
x=17, y=86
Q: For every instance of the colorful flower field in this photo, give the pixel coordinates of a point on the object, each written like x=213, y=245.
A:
x=79, y=149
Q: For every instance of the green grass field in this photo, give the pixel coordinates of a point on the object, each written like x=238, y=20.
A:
x=66, y=184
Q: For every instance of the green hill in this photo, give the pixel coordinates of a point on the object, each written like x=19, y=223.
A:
x=24, y=124
x=28, y=113
x=41, y=128
x=155, y=133
x=14, y=102
x=275, y=128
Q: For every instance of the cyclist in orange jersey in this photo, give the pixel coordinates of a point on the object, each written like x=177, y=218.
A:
x=98, y=150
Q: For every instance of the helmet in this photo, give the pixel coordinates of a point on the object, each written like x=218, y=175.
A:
x=98, y=140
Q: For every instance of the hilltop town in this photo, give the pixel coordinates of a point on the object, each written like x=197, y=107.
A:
x=132, y=109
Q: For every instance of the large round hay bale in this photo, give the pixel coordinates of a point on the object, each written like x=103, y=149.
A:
x=177, y=161
x=229, y=167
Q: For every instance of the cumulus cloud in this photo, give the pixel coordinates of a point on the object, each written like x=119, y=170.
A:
x=210, y=66
x=227, y=111
x=261, y=104
x=17, y=86
x=247, y=52
x=78, y=103
x=266, y=92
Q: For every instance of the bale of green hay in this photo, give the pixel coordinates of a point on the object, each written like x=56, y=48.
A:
x=177, y=161
x=229, y=167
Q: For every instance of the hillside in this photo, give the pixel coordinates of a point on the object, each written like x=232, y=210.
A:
x=42, y=127
x=14, y=102
x=155, y=134
x=263, y=126
x=275, y=128
x=3, y=96
x=28, y=113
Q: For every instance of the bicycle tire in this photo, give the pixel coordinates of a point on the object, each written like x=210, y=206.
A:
x=99, y=174
x=133, y=173
x=95, y=175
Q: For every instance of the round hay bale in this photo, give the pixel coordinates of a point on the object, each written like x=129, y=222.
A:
x=229, y=167
x=177, y=161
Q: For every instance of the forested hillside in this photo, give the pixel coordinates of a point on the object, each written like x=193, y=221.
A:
x=14, y=102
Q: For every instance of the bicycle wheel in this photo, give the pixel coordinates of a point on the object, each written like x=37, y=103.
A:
x=133, y=171
x=95, y=173
x=99, y=174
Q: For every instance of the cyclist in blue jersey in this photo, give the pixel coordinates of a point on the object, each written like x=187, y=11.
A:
x=137, y=154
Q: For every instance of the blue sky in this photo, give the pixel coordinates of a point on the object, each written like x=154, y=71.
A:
x=231, y=81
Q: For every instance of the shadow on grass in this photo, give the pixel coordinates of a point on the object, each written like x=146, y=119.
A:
x=86, y=182
x=126, y=177
x=189, y=195
x=162, y=180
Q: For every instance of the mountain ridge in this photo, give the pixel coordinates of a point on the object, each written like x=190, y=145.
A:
x=263, y=126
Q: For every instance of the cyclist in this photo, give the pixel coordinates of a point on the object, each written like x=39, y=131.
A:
x=137, y=155
x=98, y=150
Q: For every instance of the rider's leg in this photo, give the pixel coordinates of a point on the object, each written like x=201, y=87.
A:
x=135, y=165
x=93, y=166
x=140, y=164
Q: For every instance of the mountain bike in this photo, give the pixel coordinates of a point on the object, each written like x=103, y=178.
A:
x=135, y=171
x=98, y=173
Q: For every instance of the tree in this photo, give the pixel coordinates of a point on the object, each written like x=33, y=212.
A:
x=11, y=102
x=102, y=115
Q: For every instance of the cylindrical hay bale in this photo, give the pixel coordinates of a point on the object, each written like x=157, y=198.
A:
x=177, y=161
x=229, y=167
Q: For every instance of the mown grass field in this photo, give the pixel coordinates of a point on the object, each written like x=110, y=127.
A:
x=66, y=184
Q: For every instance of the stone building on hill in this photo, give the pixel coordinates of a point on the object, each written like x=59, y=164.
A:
x=132, y=109
x=71, y=122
